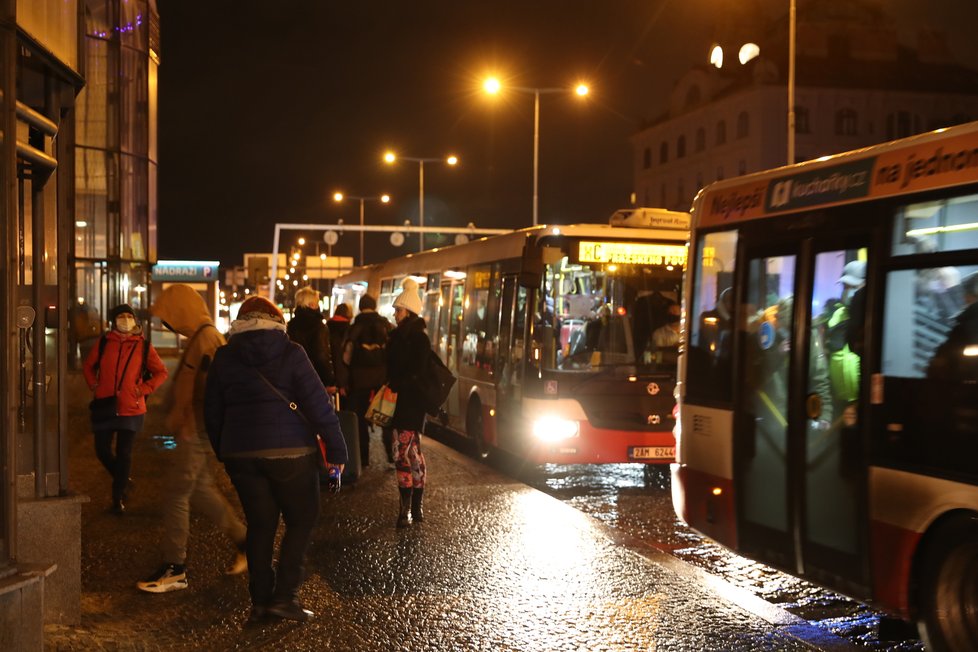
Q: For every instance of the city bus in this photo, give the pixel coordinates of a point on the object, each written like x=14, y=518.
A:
x=552, y=331
x=828, y=385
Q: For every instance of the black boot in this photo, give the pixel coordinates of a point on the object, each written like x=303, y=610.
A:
x=404, y=516
x=416, y=514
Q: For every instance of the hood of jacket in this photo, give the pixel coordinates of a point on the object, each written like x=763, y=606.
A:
x=257, y=347
x=182, y=308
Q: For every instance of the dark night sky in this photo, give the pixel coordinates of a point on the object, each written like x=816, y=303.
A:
x=267, y=107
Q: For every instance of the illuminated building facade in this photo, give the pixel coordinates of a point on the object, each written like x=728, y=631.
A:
x=75, y=221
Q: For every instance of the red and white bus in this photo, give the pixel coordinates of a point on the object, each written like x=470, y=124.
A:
x=550, y=332
x=829, y=382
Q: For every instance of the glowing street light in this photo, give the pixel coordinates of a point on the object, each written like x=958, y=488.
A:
x=749, y=51
x=339, y=196
x=493, y=86
x=390, y=158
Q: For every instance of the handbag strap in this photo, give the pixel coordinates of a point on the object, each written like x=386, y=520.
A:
x=292, y=405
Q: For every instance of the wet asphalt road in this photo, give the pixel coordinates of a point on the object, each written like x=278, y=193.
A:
x=497, y=565
x=639, y=504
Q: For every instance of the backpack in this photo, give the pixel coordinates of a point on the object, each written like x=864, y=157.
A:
x=370, y=346
x=434, y=383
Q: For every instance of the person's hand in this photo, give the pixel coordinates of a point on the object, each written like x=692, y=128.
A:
x=331, y=389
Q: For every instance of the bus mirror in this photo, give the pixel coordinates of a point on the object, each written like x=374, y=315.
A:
x=531, y=270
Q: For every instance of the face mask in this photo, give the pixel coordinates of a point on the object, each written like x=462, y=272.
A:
x=125, y=323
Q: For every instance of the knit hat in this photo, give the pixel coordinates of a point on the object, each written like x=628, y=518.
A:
x=409, y=299
x=121, y=309
x=260, y=308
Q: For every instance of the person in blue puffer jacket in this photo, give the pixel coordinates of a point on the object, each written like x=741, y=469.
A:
x=269, y=448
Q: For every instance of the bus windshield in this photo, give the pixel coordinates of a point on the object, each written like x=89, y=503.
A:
x=593, y=316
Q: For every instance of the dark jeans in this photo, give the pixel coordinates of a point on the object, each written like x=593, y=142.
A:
x=268, y=488
x=359, y=402
x=119, y=463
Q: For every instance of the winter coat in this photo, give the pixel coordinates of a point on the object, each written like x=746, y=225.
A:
x=407, y=353
x=338, y=328
x=365, y=350
x=185, y=312
x=120, y=371
x=306, y=328
x=247, y=418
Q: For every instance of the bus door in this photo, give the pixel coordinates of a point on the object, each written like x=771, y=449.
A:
x=797, y=453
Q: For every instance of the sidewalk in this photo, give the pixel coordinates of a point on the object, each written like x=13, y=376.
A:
x=495, y=566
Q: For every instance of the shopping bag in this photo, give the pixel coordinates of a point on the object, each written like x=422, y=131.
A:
x=381, y=409
x=103, y=409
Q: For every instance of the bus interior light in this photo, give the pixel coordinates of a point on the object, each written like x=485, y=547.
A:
x=717, y=491
x=552, y=429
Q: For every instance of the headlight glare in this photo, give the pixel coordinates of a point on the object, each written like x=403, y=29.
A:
x=551, y=428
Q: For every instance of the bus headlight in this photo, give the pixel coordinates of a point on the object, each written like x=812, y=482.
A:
x=551, y=428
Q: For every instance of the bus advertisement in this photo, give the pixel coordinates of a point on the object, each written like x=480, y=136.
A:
x=828, y=389
x=564, y=339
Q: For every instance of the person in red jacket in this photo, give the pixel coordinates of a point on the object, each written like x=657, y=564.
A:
x=115, y=368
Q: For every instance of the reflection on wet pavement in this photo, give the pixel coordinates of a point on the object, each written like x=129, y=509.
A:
x=637, y=501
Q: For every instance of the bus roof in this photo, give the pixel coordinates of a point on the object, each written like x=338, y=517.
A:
x=937, y=159
x=500, y=247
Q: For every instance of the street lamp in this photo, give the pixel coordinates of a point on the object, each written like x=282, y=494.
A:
x=493, y=86
x=749, y=50
x=390, y=158
x=339, y=196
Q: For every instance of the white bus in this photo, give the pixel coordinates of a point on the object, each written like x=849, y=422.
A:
x=829, y=388
x=551, y=332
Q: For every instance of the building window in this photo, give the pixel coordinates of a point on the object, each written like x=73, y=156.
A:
x=743, y=125
x=663, y=152
x=693, y=96
x=699, y=180
x=802, y=123
x=846, y=122
x=700, y=139
x=719, y=173
x=681, y=192
x=647, y=158
x=721, y=132
x=662, y=195
x=902, y=124
x=742, y=167
x=681, y=147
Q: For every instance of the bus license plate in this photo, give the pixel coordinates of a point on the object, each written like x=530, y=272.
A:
x=651, y=452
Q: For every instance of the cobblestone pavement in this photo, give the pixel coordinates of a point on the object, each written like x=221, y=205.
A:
x=495, y=566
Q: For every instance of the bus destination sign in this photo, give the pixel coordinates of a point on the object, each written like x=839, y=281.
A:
x=631, y=253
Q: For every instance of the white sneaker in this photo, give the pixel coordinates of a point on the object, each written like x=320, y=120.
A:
x=170, y=577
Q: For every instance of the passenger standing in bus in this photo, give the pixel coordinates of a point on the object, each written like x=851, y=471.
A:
x=406, y=356
x=365, y=355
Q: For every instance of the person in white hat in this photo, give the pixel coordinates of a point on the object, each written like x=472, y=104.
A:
x=407, y=353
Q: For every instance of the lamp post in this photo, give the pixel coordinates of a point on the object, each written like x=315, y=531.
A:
x=390, y=158
x=493, y=86
x=339, y=196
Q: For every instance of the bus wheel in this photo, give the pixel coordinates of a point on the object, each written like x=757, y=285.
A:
x=474, y=429
x=948, y=581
